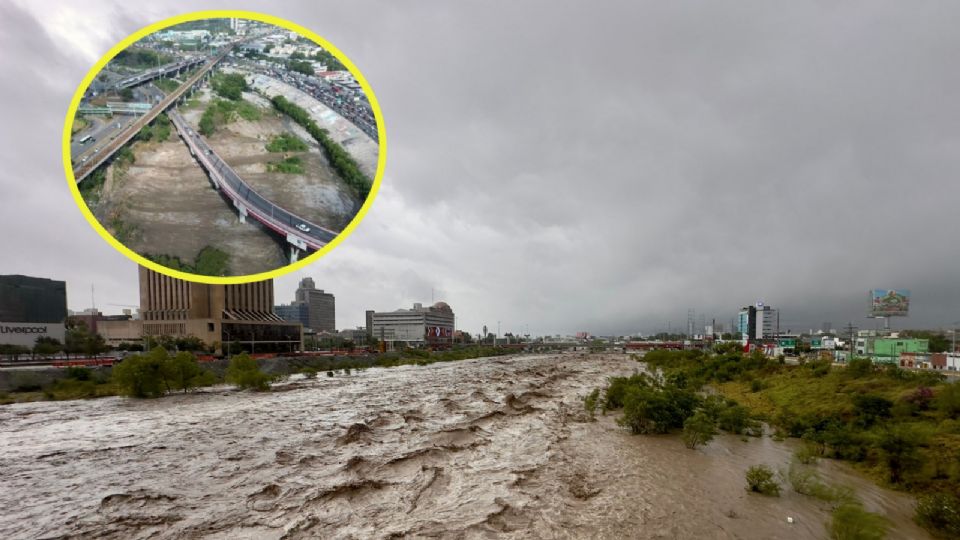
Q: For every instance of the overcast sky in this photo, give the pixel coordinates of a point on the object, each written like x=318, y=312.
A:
x=562, y=168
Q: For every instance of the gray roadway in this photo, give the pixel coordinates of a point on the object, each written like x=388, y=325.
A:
x=151, y=73
x=105, y=129
x=317, y=235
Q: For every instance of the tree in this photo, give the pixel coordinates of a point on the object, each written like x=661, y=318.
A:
x=947, y=400
x=45, y=346
x=244, y=372
x=898, y=445
x=698, y=429
x=870, y=408
x=182, y=372
x=126, y=94
x=142, y=375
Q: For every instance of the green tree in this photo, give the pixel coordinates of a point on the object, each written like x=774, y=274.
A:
x=182, y=372
x=947, y=400
x=698, y=429
x=142, y=375
x=245, y=373
x=45, y=346
x=871, y=408
x=126, y=94
x=898, y=445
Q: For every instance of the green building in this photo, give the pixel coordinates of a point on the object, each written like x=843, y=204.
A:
x=887, y=349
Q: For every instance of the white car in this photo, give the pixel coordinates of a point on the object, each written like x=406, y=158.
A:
x=303, y=227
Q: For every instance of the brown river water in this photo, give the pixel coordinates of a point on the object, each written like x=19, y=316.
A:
x=474, y=449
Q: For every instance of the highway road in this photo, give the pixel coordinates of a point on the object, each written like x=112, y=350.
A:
x=82, y=170
x=268, y=213
x=153, y=73
x=103, y=131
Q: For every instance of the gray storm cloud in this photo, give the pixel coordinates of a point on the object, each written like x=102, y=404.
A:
x=565, y=167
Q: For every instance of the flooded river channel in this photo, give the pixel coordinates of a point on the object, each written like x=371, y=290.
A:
x=474, y=449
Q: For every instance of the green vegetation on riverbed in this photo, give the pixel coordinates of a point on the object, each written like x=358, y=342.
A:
x=229, y=86
x=221, y=112
x=290, y=165
x=339, y=158
x=286, y=142
x=158, y=130
x=902, y=427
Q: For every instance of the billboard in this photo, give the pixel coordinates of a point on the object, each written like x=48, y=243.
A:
x=439, y=331
x=25, y=334
x=889, y=302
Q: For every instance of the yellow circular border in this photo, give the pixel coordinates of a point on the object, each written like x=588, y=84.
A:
x=221, y=14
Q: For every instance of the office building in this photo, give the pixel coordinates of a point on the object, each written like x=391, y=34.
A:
x=216, y=314
x=321, y=306
x=295, y=312
x=31, y=307
x=421, y=326
x=757, y=322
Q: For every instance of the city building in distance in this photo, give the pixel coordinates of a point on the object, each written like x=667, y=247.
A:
x=421, y=326
x=31, y=307
x=216, y=314
x=312, y=308
x=757, y=323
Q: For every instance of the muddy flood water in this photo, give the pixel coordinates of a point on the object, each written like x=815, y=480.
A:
x=475, y=449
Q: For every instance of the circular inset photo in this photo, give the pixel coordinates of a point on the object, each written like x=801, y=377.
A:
x=224, y=147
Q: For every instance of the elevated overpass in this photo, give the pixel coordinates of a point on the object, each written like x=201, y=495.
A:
x=116, y=108
x=154, y=73
x=102, y=155
x=300, y=234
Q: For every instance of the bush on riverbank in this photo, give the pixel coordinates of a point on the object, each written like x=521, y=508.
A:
x=245, y=373
x=849, y=521
x=939, y=512
x=900, y=426
x=761, y=479
x=156, y=373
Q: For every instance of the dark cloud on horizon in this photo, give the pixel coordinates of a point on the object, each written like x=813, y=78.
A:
x=564, y=168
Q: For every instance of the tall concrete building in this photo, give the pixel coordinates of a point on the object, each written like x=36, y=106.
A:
x=321, y=306
x=214, y=313
x=415, y=327
x=31, y=307
x=758, y=322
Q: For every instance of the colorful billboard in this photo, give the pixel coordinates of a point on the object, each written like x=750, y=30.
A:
x=889, y=302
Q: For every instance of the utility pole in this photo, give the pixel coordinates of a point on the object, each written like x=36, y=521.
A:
x=850, y=330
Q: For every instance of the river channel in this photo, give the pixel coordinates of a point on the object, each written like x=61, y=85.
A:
x=496, y=447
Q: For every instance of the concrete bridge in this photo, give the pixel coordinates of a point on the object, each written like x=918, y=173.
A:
x=154, y=73
x=116, y=108
x=301, y=234
x=102, y=155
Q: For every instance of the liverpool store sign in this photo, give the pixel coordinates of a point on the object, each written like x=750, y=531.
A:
x=26, y=334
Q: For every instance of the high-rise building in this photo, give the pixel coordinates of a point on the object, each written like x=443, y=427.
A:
x=295, y=312
x=757, y=323
x=321, y=306
x=241, y=313
x=31, y=307
x=431, y=326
